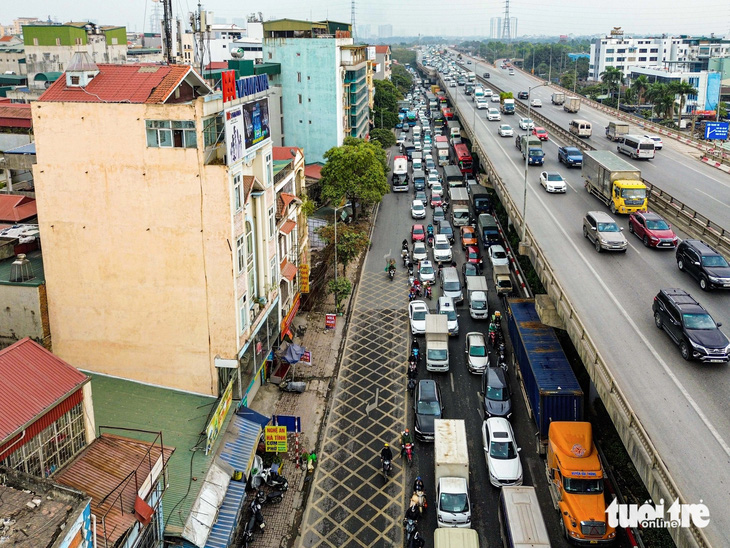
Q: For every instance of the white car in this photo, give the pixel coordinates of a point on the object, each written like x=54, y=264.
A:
x=495, y=98
x=536, y=103
x=446, y=307
x=452, y=84
x=505, y=130
x=418, y=210
x=527, y=123
x=437, y=188
x=442, y=249
x=433, y=177
x=497, y=255
x=420, y=252
x=553, y=181
x=493, y=115
x=477, y=356
x=401, y=138
x=658, y=143
x=501, y=452
x=482, y=103
x=417, y=311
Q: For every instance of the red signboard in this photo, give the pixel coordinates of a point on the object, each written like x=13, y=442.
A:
x=330, y=321
x=228, y=85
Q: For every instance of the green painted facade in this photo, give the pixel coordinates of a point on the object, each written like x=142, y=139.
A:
x=68, y=35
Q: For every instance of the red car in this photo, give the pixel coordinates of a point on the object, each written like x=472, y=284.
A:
x=418, y=233
x=436, y=200
x=653, y=230
x=473, y=256
x=540, y=133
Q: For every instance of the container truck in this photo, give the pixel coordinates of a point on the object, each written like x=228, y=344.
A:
x=488, y=230
x=451, y=473
x=614, y=181
x=459, y=205
x=575, y=477
x=454, y=128
x=437, y=342
x=502, y=279
x=531, y=147
x=508, y=106
x=553, y=392
x=558, y=98
x=442, y=150
x=480, y=202
x=476, y=289
x=455, y=538
x=572, y=104
x=616, y=129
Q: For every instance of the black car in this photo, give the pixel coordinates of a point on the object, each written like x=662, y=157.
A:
x=427, y=407
x=486, y=75
x=704, y=263
x=420, y=195
x=690, y=326
x=469, y=269
x=496, y=395
x=523, y=95
x=446, y=230
x=419, y=184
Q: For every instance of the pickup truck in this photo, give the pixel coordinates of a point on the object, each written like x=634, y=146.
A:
x=570, y=156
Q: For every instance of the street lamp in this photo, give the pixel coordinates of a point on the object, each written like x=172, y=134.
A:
x=527, y=158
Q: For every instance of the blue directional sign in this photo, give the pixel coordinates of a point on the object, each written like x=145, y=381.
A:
x=716, y=130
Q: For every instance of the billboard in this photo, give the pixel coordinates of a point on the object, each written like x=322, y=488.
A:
x=234, y=134
x=255, y=123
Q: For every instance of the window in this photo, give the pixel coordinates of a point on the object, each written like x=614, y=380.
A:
x=78, y=41
x=609, y=59
x=240, y=253
x=115, y=41
x=58, y=41
x=212, y=130
x=270, y=56
x=300, y=98
x=642, y=50
x=652, y=58
x=642, y=58
x=272, y=222
x=75, y=80
x=269, y=175
x=622, y=50
x=175, y=133
x=274, y=271
x=242, y=313
x=299, y=76
x=237, y=189
x=250, y=257
x=610, y=50
x=35, y=41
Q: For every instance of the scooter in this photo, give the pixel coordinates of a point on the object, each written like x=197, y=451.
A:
x=419, y=499
x=429, y=292
x=409, y=453
x=255, y=523
x=275, y=497
x=274, y=480
x=391, y=273
x=387, y=467
x=410, y=527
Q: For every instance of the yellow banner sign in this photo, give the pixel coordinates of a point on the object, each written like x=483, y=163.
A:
x=275, y=438
x=304, y=278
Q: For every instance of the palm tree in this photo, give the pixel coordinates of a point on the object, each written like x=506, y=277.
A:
x=655, y=93
x=682, y=88
x=640, y=85
x=612, y=77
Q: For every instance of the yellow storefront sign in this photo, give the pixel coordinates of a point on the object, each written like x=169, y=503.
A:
x=275, y=439
x=304, y=278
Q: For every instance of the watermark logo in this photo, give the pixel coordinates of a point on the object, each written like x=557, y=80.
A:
x=650, y=515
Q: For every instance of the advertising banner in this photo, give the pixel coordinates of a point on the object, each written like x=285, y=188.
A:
x=234, y=134
x=330, y=321
x=216, y=422
x=256, y=123
x=275, y=439
x=304, y=278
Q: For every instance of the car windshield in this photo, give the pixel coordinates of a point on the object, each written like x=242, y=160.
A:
x=470, y=270
x=634, y=193
x=426, y=270
x=502, y=450
x=442, y=245
x=574, y=485
x=454, y=503
x=537, y=152
x=497, y=394
x=418, y=230
x=446, y=230
x=660, y=224
x=428, y=408
x=479, y=305
x=420, y=314
x=437, y=355
x=450, y=315
x=554, y=177
x=608, y=227
x=714, y=260
x=473, y=255
x=478, y=351
x=417, y=207
x=452, y=286
x=698, y=321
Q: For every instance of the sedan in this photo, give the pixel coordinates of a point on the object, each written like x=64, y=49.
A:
x=541, y=133
x=417, y=311
x=473, y=256
x=446, y=229
x=652, y=230
x=477, y=357
x=498, y=256
x=437, y=188
x=526, y=123
x=421, y=195
x=468, y=237
x=427, y=407
x=658, y=143
x=436, y=200
x=495, y=393
x=493, y=115
x=420, y=252
x=495, y=99
x=536, y=103
x=438, y=215
x=501, y=453
x=505, y=130
x=552, y=181
x=418, y=233
x=418, y=211
x=426, y=273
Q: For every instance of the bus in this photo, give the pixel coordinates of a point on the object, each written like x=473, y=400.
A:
x=438, y=122
x=461, y=157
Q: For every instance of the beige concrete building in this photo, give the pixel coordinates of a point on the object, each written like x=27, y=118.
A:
x=157, y=212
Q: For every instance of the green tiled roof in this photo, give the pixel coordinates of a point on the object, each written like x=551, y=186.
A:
x=279, y=165
x=36, y=262
x=181, y=417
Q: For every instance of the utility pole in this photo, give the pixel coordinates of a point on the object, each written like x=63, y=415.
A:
x=352, y=19
x=167, y=30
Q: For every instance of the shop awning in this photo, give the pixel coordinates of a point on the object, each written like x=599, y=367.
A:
x=287, y=227
x=288, y=270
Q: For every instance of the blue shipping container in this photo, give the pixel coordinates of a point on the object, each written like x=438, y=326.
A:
x=549, y=381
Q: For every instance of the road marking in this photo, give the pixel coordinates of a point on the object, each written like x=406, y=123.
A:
x=705, y=193
x=632, y=247
x=451, y=379
x=369, y=407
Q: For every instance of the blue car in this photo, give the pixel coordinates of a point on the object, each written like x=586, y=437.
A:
x=570, y=156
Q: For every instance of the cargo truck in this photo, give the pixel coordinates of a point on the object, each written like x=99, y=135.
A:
x=480, y=202
x=472, y=76
x=476, y=289
x=502, y=279
x=616, y=130
x=442, y=150
x=455, y=538
x=488, y=230
x=508, y=106
x=614, y=181
x=572, y=104
x=557, y=98
x=553, y=392
x=575, y=477
x=531, y=147
x=459, y=205
x=437, y=342
x=451, y=465
x=454, y=128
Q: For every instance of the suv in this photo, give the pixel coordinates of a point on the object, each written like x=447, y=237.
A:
x=442, y=249
x=427, y=407
x=704, y=263
x=495, y=394
x=603, y=231
x=522, y=95
x=690, y=326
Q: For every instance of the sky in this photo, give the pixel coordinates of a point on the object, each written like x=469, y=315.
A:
x=424, y=17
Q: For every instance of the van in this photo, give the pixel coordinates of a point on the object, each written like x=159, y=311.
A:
x=581, y=128
x=636, y=146
x=450, y=284
x=521, y=524
x=416, y=133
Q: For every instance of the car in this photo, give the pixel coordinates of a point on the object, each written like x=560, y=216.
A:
x=501, y=453
x=436, y=200
x=444, y=227
x=690, y=326
x=430, y=165
x=426, y=272
x=452, y=84
x=437, y=188
x=446, y=307
x=438, y=215
x=468, y=62
x=603, y=231
x=526, y=123
x=401, y=138
x=441, y=249
x=536, y=103
x=505, y=130
x=553, y=181
x=497, y=255
x=477, y=356
x=468, y=237
x=704, y=263
x=420, y=252
x=493, y=115
x=473, y=255
x=427, y=407
x=417, y=311
x=485, y=75
x=419, y=183
x=418, y=233
x=652, y=230
x=495, y=394
x=468, y=269
x=570, y=156
x=658, y=143
x=495, y=99
x=522, y=95
x=421, y=195
x=541, y=133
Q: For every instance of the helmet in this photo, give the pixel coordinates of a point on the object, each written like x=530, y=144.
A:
x=418, y=478
x=497, y=313
x=406, y=430
x=386, y=445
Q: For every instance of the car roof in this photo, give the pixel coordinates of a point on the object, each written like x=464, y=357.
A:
x=701, y=247
x=473, y=334
x=495, y=377
x=446, y=302
x=418, y=225
x=500, y=424
x=601, y=216
x=496, y=247
x=427, y=388
x=572, y=149
x=442, y=237
x=417, y=201
x=418, y=304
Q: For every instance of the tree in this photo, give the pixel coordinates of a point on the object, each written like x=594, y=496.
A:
x=385, y=104
x=640, y=85
x=404, y=56
x=401, y=78
x=383, y=136
x=567, y=80
x=350, y=242
x=612, y=77
x=661, y=98
x=682, y=88
x=356, y=171
x=341, y=287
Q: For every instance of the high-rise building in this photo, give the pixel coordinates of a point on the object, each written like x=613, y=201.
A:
x=363, y=32
x=495, y=28
x=385, y=31
x=513, y=26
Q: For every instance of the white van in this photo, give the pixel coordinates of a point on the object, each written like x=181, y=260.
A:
x=450, y=284
x=636, y=146
x=416, y=133
x=581, y=128
x=520, y=519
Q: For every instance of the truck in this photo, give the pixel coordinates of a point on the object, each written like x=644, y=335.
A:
x=472, y=76
x=572, y=104
x=488, y=230
x=557, y=98
x=508, y=106
x=553, y=392
x=575, y=478
x=435, y=89
x=442, y=150
x=459, y=204
x=480, y=202
x=454, y=128
x=502, y=279
x=616, y=130
x=476, y=290
x=455, y=538
x=437, y=342
x=478, y=93
x=531, y=147
x=614, y=181
x=417, y=160
x=521, y=524
x=451, y=473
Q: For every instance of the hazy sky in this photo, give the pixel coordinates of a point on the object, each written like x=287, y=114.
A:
x=427, y=17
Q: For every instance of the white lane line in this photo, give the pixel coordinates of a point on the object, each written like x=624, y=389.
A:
x=451, y=379
x=632, y=247
x=705, y=193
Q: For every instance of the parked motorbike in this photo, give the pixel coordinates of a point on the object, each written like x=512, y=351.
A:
x=274, y=497
x=289, y=385
x=255, y=523
x=274, y=479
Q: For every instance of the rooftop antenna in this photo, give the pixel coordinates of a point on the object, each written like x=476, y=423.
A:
x=352, y=19
x=506, y=26
x=167, y=30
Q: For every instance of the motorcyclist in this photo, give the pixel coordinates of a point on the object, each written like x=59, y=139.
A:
x=412, y=513
x=404, y=245
x=418, y=541
x=415, y=346
x=497, y=317
x=418, y=485
x=386, y=453
x=405, y=437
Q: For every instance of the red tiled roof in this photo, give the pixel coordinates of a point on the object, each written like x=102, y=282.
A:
x=217, y=65
x=32, y=381
x=284, y=199
x=288, y=270
x=284, y=153
x=248, y=182
x=15, y=110
x=100, y=471
x=6, y=38
x=382, y=49
x=313, y=171
x=138, y=83
x=287, y=227
x=14, y=208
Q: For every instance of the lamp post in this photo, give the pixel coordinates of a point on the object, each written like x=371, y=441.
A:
x=527, y=158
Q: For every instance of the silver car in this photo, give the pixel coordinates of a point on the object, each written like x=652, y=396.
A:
x=602, y=230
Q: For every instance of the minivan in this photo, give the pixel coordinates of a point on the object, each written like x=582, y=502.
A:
x=581, y=128
x=450, y=284
x=636, y=146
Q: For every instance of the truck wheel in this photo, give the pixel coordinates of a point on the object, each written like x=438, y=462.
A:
x=613, y=208
x=563, y=530
x=598, y=246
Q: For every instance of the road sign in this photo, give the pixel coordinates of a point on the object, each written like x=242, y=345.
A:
x=716, y=130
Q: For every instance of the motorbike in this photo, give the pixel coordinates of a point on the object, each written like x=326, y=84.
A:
x=274, y=497
x=411, y=295
x=391, y=273
x=410, y=530
x=387, y=467
x=274, y=480
x=419, y=499
x=255, y=523
x=502, y=361
x=406, y=258
x=430, y=240
x=429, y=292
x=415, y=350
x=409, y=453
x=289, y=385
